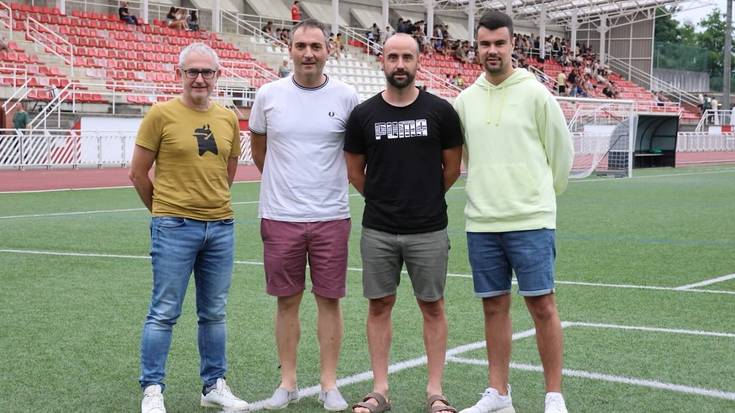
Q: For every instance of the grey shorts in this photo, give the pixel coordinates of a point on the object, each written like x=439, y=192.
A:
x=425, y=255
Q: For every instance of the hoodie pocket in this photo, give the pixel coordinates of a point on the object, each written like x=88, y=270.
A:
x=501, y=191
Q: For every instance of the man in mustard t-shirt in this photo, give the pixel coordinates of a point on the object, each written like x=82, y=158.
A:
x=195, y=144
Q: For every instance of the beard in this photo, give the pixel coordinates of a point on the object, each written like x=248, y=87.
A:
x=495, y=68
x=400, y=84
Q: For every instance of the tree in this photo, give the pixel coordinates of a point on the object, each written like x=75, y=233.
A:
x=712, y=38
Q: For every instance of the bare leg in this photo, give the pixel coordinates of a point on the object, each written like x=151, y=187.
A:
x=288, y=332
x=379, y=333
x=329, y=333
x=498, y=335
x=549, y=338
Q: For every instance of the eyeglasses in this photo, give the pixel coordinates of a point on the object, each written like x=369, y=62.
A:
x=194, y=73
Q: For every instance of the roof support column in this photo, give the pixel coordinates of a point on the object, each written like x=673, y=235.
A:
x=216, y=16
x=144, y=11
x=574, y=27
x=471, y=20
x=509, y=8
x=61, y=5
x=429, y=26
x=335, y=16
x=603, y=41
x=542, y=32
x=386, y=14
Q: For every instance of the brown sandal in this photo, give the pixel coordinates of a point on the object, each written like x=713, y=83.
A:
x=435, y=409
x=382, y=406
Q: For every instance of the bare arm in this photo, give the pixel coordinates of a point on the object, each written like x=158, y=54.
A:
x=142, y=162
x=356, y=170
x=258, y=147
x=451, y=162
x=231, y=169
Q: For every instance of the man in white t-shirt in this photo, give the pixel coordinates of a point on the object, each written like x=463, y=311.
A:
x=297, y=126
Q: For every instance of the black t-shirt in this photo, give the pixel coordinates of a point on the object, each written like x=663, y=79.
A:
x=122, y=11
x=404, y=187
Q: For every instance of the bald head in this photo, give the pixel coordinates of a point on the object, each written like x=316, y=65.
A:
x=400, y=41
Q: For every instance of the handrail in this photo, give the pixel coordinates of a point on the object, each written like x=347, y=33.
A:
x=267, y=74
x=54, y=104
x=261, y=21
x=643, y=77
x=34, y=31
x=6, y=18
x=249, y=28
x=9, y=105
x=716, y=117
x=351, y=32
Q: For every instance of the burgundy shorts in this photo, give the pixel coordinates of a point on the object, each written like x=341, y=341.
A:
x=288, y=245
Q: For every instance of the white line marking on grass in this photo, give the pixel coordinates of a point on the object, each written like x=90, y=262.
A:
x=100, y=211
x=650, y=329
x=393, y=368
x=35, y=191
x=673, y=175
x=357, y=269
x=707, y=282
x=678, y=388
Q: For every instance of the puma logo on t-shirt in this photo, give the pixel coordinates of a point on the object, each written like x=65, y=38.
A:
x=206, y=140
x=402, y=129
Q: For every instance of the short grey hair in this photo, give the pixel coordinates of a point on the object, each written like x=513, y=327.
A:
x=200, y=48
x=310, y=24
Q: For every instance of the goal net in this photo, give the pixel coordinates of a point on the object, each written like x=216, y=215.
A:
x=603, y=134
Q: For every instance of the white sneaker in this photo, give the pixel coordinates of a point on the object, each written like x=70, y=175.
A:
x=221, y=397
x=152, y=400
x=554, y=403
x=492, y=401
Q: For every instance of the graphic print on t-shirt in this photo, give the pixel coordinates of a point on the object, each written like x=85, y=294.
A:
x=401, y=130
x=206, y=140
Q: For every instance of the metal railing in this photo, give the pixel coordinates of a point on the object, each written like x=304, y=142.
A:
x=15, y=74
x=50, y=41
x=434, y=81
x=705, y=142
x=6, y=20
x=715, y=118
x=77, y=148
x=649, y=81
x=244, y=25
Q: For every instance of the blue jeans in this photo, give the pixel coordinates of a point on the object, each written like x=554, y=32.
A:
x=495, y=256
x=178, y=247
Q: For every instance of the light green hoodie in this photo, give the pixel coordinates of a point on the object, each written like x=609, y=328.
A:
x=518, y=154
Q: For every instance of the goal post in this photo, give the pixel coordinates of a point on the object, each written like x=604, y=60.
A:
x=603, y=134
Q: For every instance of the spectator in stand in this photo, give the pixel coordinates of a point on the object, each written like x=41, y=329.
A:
x=438, y=38
x=460, y=53
x=125, y=14
x=268, y=28
x=4, y=45
x=283, y=69
x=192, y=21
x=660, y=98
x=171, y=15
x=295, y=12
x=561, y=83
x=459, y=81
x=388, y=32
x=285, y=36
x=21, y=118
x=334, y=50
x=178, y=22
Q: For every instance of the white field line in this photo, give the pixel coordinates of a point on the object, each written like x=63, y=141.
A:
x=37, y=191
x=393, y=368
x=732, y=170
x=707, y=282
x=717, y=171
x=714, y=393
x=654, y=384
x=357, y=269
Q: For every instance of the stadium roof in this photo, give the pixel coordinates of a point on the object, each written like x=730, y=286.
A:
x=562, y=11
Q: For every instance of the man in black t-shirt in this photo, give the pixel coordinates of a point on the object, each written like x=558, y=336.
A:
x=403, y=150
x=125, y=15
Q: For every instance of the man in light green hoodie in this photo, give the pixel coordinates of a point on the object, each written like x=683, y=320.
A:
x=518, y=154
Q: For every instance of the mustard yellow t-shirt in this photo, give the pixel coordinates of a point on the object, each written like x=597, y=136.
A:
x=192, y=149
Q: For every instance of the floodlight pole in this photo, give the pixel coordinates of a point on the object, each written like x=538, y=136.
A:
x=727, y=75
x=542, y=32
